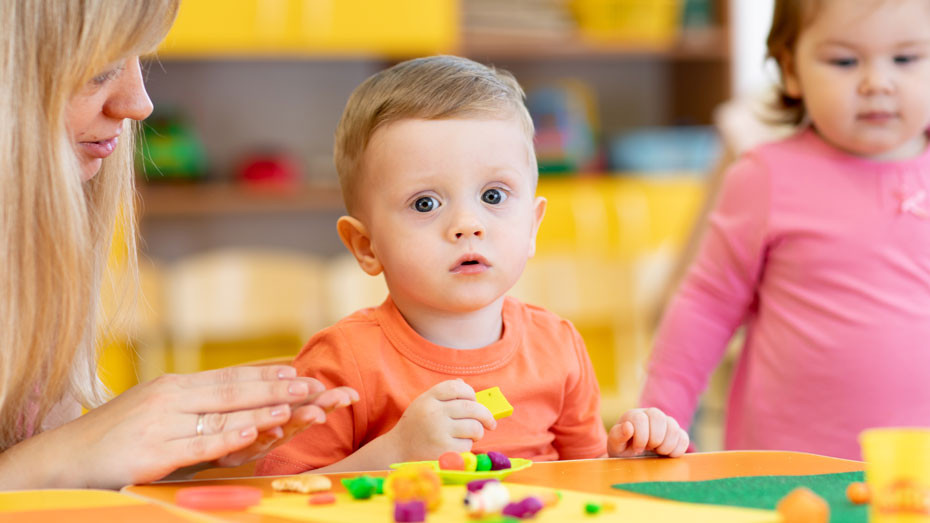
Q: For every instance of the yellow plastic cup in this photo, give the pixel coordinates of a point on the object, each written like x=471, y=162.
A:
x=897, y=472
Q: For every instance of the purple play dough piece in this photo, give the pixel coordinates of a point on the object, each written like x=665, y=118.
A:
x=409, y=511
x=478, y=484
x=498, y=461
x=526, y=508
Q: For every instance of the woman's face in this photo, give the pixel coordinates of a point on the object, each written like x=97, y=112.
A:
x=94, y=116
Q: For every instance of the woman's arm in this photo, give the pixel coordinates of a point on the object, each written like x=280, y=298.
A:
x=152, y=429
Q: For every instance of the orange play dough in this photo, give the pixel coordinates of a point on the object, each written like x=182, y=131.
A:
x=801, y=505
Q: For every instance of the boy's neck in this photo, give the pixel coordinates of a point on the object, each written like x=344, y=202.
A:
x=456, y=330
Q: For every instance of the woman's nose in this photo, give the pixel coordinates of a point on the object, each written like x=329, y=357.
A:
x=129, y=98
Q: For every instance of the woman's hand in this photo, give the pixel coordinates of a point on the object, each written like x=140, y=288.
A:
x=152, y=429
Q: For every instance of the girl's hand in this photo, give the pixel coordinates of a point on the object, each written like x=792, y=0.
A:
x=152, y=429
x=642, y=430
x=444, y=418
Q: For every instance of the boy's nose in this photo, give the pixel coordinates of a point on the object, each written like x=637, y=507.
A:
x=465, y=226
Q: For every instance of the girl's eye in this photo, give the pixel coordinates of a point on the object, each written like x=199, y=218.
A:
x=425, y=204
x=493, y=196
x=905, y=58
x=843, y=62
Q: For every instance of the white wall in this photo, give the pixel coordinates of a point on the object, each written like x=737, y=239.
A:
x=749, y=26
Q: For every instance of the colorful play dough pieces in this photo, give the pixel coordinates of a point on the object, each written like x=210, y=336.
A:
x=482, y=463
x=326, y=498
x=470, y=462
x=858, y=493
x=361, y=487
x=218, y=497
x=409, y=511
x=303, y=483
x=524, y=509
x=451, y=461
x=415, y=481
x=801, y=505
x=498, y=461
x=495, y=401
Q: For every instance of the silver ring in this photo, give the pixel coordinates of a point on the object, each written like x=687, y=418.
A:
x=200, y=424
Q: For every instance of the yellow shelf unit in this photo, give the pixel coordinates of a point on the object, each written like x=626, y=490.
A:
x=300, y=28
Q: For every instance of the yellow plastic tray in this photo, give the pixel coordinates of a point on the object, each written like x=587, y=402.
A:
x=458, y=477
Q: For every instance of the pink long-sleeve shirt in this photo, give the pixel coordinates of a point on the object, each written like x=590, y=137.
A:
x=825, y=257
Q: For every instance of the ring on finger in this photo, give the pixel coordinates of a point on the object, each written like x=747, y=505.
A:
x=199, y=429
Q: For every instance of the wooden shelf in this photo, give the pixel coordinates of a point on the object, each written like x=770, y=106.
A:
x=205, y=199
x=706, y=44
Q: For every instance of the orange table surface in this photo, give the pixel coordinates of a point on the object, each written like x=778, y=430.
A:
x=591, y=476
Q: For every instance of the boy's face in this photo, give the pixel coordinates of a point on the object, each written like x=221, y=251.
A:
x=863, y=70
x=450, y=210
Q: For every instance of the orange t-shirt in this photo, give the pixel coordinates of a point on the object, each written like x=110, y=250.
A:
x=539, y=363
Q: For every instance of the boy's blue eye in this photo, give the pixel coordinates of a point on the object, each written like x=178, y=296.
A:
x=843, y=62
x=425, y=204
x=493, y=196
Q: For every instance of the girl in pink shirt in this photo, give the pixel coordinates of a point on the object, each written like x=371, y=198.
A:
x=819, y=244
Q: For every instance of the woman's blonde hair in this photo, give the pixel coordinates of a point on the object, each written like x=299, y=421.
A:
x=431, y=88
x=55, y=230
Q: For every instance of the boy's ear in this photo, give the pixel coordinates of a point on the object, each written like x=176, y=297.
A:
x=354, y=236
x=789, y=75
x=539, y=210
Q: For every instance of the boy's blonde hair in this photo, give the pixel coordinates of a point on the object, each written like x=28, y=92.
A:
x=432, y=88
x=55, y=230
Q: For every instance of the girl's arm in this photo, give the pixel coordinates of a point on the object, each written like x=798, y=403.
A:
x=715, y=296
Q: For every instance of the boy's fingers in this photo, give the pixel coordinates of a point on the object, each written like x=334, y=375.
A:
x=452, y=390
x=618, y=438
x=669, y=443
x=467, y=429
x=335, y=398
x=657, y=428
x=682, y=447
x=465, y=409
x=640, y=423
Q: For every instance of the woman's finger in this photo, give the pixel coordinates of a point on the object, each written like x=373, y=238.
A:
x=265, y=441
x=237, y=375
x=233, y=396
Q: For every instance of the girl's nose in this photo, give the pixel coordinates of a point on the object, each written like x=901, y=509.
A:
x=876, y=80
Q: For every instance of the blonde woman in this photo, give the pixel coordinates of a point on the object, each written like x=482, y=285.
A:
x=70, y=90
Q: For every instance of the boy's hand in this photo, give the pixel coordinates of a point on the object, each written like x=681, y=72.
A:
x=444, y=418
x=641, y=430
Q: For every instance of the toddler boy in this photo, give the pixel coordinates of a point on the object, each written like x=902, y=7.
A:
x=438, y=172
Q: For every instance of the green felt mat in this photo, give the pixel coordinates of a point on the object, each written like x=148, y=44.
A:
x=760, y=492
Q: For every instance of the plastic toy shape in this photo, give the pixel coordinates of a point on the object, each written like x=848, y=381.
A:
x=495, y=401
x=801, y=505
x=409, y=511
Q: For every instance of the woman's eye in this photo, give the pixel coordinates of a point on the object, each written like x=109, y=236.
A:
x=102, y=78
x=493, y=196
x=425, y=204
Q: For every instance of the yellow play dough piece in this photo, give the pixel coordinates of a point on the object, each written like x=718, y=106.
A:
x=495, y=401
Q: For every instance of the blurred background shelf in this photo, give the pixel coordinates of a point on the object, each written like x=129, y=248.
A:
x=216, y=198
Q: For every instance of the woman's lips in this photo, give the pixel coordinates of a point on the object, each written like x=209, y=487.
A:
x=101, y=148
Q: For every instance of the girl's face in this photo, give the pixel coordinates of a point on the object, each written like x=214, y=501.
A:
x=94, y=116
x=862, y=68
